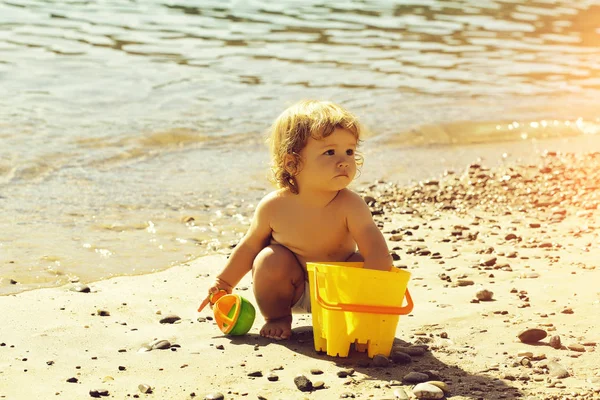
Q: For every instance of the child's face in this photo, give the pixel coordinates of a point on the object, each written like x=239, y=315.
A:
x=328, y=164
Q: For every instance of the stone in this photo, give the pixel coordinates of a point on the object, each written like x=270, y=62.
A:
x=556, y=370
x=427, y=391
x=465, y=282
x=318, y=385
x=399, y=357
x=415, y=377
x=214, y=396
x=272, y=377
x=80, y=288
x=441, y=385
x=576, y=347
x=316, y=371
x=379, y=360
x=170, y=319
x=555, y=342
x=345, y=372
x=255, y=374
x=400, y=394
x=144, y=388
x=532, y=335
x=99, y=393
x=303, y=383
x=160, y=344
x=484, y=295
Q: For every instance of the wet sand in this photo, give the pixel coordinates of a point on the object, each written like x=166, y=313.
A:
x=494, y=254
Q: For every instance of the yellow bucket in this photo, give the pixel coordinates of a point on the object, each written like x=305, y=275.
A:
x=354, y=305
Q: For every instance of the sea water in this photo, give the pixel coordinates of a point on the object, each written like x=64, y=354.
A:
x=132, y=132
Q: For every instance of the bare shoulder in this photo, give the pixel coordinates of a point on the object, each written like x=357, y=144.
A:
x=273, y=199
x=350, y=199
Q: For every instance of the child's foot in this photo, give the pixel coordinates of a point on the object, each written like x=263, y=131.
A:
x=277, y=328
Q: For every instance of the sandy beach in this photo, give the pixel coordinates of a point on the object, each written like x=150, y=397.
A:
x=505, y=268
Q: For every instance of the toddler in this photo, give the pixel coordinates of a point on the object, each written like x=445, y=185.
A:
x=312, y=217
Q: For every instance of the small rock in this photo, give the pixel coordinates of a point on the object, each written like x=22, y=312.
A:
x=556, y=370
x=576, y=347
x=555, y=342
x=170, y=319
x=400, y=394
x=255, y=374
x=73, y=380
x=144, y=388
x=347, y=395
x=427, y=391
x=532, y=335
x=98, y=392
x=214, y=396
x=415, y=377
x=400, y=358
x=441, y=385
x=318, y=385
x=303, y=383
x=567, y=310
x=316, y=371
x=160, y=344
x=465, y=282
x=379, y=360
x=80, y=288
x=484, y=295
x=414, y=351
x=103, y=313
x=345, y=372
x=272, y=377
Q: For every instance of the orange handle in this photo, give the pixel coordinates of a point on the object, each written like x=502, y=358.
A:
x=362, y=307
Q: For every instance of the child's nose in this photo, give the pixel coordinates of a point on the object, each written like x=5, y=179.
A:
x=343, y=163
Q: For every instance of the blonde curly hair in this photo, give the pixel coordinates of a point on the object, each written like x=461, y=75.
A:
x=290, y=132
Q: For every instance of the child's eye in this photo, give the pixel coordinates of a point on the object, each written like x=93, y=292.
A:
x=330, y=152
x=350, y=152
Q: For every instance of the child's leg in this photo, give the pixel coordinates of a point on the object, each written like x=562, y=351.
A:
x=278, y=285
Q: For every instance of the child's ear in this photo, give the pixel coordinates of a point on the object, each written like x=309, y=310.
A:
x=290, y=164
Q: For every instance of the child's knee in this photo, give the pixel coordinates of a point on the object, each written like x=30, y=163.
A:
x=276, y=263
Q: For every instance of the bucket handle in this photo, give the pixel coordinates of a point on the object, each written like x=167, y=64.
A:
x=363, y=308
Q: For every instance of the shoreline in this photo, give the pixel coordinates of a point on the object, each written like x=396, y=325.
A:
x=527, y=233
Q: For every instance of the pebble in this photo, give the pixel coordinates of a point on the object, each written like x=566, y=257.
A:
x=400, y=394
x=576, y=347
x=316, y=371
x=400, y=357
x=567, y=310
x=530, y=275
x=318, y=385
x=345, y=372
x=347, y=395
x=103, y=313
x=144, y=388
x=427, y=391
x=484, y=295
x=272, y=377
x=379, y=360
x=214, y=396
x=99, y=392
x=415, y=377
x=80, y=288
x=532, y=335
x=170, y=319
x=255, y=374
x=303, y=383
x=465, y=282
x=412, y=350
x=159, y=344
x=556, y=370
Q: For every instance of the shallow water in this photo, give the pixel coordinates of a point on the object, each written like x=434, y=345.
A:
x=118, y=120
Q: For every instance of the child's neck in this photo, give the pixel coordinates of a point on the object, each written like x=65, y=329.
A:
x=317, y=198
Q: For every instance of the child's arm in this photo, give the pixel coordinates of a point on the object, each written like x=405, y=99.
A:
x=242, y=257
x=370, y=240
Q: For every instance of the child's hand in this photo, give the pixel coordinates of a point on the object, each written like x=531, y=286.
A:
x=218, y=284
